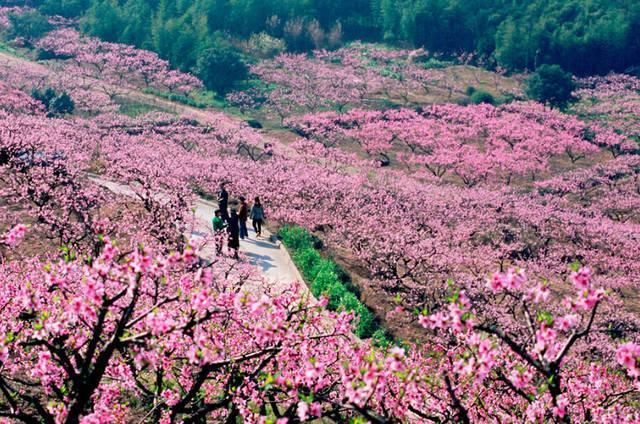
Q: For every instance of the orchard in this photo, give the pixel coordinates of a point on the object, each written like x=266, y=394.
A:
x=506, y=236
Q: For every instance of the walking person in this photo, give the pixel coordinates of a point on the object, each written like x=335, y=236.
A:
x=223, y=202
x=233, y=230
x=257, y=216
x=243, y=215
x=218, y=231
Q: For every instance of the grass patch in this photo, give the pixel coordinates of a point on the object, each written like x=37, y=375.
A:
x=134, y=108
x=5, y=47
x=326, y=278
x=201, y=99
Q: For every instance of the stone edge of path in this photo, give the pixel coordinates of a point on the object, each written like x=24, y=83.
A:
x=287, y=255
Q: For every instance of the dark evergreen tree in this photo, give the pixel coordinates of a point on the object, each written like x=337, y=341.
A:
x=103, y=20
x=29, y=25
x=220, y=67
x=551, y=85
x=56, y=104
x=582, y=36
x=66, y=8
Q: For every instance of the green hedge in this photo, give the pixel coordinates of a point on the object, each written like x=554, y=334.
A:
x=481, y=96
x=325, y=277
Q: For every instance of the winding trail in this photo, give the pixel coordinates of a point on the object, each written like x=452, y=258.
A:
x=270, y=258
x=266, y=253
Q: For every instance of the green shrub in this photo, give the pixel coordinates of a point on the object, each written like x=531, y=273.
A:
x=296, y=238
x=201, y=100
x=306, y=259
x=470, y=90
x=380, y=338
x=366, y=323
x=317, y=243
x=56, y=104
x=48, y=55
x=62, y=104
x=221, y=66
x=263, y=45
x=349, y=303
x=321, y=284
x=481, y=96
x=345, y=279
x=325, y=278
x=325, y=266
x=336, y=293
x=433, y=63
x=551, y=85
x=254, y=123
x=509, y=98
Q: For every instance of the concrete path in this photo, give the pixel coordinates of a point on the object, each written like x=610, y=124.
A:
x=266, y=253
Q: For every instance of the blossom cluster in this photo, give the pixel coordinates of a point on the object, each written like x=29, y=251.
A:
x=115, y=64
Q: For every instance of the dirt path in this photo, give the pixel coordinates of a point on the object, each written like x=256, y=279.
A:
x=203, y=115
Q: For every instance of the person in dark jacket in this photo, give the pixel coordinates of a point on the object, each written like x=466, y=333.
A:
x=257, y=216
x=223, y=203
x=243, y=215
x=233, y=230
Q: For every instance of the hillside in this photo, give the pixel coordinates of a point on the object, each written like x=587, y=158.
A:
x=468, y=254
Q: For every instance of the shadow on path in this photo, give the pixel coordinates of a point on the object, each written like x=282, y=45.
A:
x=199, y=233
x=261, y=243
x=261, y=261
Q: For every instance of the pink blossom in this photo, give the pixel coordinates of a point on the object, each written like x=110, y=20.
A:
x=560, y=410
x=519, y=379
x=303, y=411
x=582, y=278
x=13, y=237
x=628, y=355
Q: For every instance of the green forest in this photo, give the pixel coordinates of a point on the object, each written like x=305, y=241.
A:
x=583, y=36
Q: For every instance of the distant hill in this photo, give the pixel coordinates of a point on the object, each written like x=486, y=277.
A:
x=583, y=36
